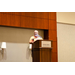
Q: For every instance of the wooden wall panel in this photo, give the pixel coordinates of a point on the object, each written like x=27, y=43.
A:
x=17, y=13
x=54, y=46
x=3, y=12
x=12, y=20
x=8, y=13
x=12, y=13
x=44, y=15
x=30, y=22
x=8, y=19
x=52, y=35
x=28, y=14
x=0, y=17
x=52, y=25
x=40, y=23
x=52, y=15
x=33, y=23
x=22, y=13
x=49, y=16
x=33, y=14
x=25, y=21
x=5, y=19
x=15, y=20
x=38, y=20
x=54, y=57
x=46, y=24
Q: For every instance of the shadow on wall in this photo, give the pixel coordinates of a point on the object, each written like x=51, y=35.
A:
x=3, y=54
x=28, y=53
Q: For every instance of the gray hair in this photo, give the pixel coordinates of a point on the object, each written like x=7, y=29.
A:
x=36, y=31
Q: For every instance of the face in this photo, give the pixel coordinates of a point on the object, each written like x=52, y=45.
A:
x=35, y=33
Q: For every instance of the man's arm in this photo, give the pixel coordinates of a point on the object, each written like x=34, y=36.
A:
x=31, y=40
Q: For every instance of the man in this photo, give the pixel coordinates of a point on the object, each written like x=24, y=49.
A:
x=35, y=37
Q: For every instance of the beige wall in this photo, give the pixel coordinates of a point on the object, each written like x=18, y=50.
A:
x=66, y=42
x=16, y=35
x=66, y=36
x=17, y=43
x=66, y=17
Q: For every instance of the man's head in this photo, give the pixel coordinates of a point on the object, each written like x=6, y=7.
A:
x=36, y=33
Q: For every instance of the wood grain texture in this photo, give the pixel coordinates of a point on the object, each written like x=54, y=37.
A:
x=49, y=16
x=30, y=22
x=45, y=55
x=12, y=20
x=15, y=20
x=38, y=20
x=5, y=19
x=44, y=15
x=26, y=22
x=33, y=14
x=22, y=14
x=52, y=25
x=8, y=13
x=53, y=15
x=3, y=12
x=54, y=57
x=36, y=55
x=28, y=14
x=8, y=19
x=52, y=35
x=46, y=24
x=42, y=23
x=18, y=13
x=54, y=46
x=0, y=17
x=41, y=55
x=33, y=22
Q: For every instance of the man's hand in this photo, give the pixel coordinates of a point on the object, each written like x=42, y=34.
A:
x=31, y=42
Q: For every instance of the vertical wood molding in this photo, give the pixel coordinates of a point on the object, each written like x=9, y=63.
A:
x=53, y=34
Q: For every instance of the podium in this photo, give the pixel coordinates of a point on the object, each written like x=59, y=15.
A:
x=42, y=51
